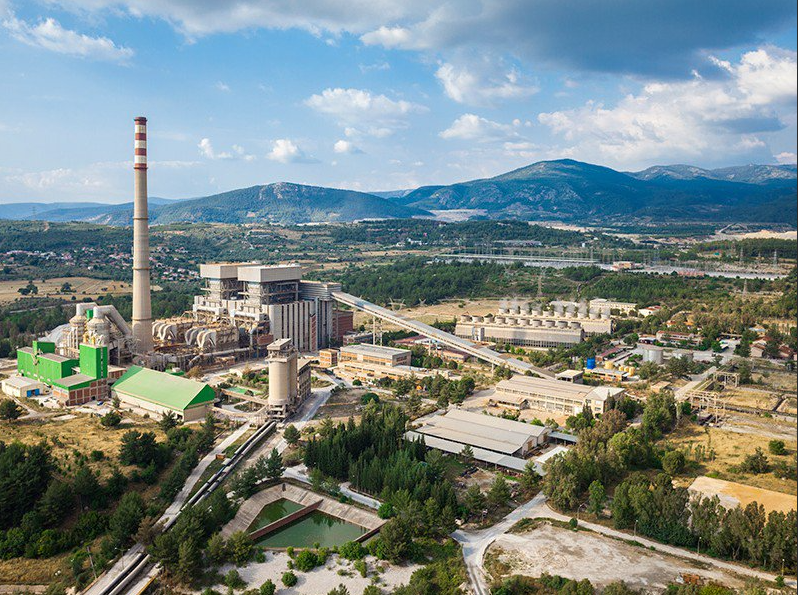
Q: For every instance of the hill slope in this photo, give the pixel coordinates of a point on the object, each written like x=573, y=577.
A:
x=575, y=191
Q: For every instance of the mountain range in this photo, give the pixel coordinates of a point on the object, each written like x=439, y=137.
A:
x=564, y=190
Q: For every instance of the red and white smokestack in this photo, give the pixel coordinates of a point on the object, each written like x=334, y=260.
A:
x=142, y=313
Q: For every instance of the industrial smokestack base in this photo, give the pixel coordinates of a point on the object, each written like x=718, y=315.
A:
x=142, y=313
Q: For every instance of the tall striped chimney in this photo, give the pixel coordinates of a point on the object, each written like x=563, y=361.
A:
x=142, y=314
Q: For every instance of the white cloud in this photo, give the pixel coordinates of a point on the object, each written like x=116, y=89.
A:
x=765, y=75
x=50, y=35
x=345, y=147
x=683, y=120
x=362, y=112
x=482, y=86
x=285, y=150
x=206, y=150
x=221, y=86
x=389, y=37
x=786, y=158
x=473, y=127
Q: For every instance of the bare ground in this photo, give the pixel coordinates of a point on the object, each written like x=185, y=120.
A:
x=582, y=554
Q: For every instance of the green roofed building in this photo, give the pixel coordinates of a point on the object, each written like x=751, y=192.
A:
x=159, y=392
x=73, y=381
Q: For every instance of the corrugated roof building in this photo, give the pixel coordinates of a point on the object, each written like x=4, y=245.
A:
x=160, y=392
x=495, y=434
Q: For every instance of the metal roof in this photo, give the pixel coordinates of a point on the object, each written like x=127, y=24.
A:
x=377, y=350
x=73, y=381
x=519, y=387
x=21, y=382
x=168, y=390
x=483, y=431
x=486, y=456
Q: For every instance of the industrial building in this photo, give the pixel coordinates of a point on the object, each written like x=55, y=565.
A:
x=264, y=303
x=557, y=396
x=495, y=440
x=21, y=387
x=622, y=307
x=328, y=358
x=74, y=381
x=160, y=392
x=374, y=354
x=531, y=325
x=289, y=379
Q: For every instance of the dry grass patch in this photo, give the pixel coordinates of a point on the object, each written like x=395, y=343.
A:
x=82, y=433
x=730, y=450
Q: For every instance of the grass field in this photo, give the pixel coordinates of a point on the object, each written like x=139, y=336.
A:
x=730, y=450
x=81, y=287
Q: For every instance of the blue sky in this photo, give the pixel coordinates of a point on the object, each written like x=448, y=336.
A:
x=377, y=95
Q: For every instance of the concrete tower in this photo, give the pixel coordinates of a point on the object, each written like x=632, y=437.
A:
x=142, y=314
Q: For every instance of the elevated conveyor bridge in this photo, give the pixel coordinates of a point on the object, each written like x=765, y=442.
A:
x=464, y=345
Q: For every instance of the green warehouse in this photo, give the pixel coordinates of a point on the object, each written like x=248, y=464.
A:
x=161, y=392
x=73, y=381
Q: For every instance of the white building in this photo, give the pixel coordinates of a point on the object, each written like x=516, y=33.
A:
x=20, y=386
x=557, y=396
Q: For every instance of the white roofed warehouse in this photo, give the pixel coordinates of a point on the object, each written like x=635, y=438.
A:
x=496, y=434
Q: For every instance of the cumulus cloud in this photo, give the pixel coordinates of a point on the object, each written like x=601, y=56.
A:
x=482, y=86
x=680, y=120
x=362, y=112
x=345, y=147
x=208, y=151
x=285, y=150
x=473, y=127
x=786, y=158
x=50, y=35
x=389, y=37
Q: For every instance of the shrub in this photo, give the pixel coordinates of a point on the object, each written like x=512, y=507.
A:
x=352, y=550
x=573, y=524
x=233, y=580
x=268, y=588
x=385, y=511
x=289, y=579
x=306, y=561
x=673, y=462
x=776, y=447
x=360, y=566
x=756, y=463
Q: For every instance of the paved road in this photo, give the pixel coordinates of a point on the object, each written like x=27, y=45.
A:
x=172, y=511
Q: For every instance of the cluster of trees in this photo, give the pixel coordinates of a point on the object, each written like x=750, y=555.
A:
x=38, y=499
x=440, y=233
x=24, y=321
x=245, y=483
x=376, y=459
x=667, y=513
x=414, y=279
x=35, y=503
x=180, y=550
x=443, y=390
x=607, y=450
x=424, y=359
